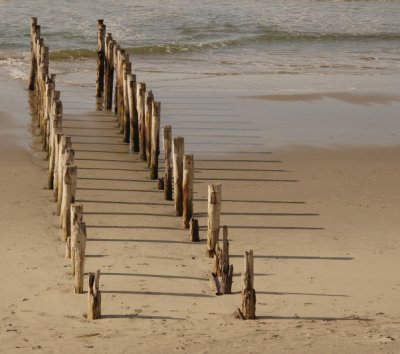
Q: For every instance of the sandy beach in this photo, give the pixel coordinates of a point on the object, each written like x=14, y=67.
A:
x=321, y=218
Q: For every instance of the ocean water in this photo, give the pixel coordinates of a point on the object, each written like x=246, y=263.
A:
x=224, y=37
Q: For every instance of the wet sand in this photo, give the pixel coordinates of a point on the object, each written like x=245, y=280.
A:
x=322, y=223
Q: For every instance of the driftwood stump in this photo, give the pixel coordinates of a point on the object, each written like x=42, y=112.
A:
x=94, y=297
x=194, y=230
x=248, y=308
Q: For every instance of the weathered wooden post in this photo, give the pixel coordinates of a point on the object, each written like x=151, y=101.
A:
x=141, y=92
x=133, y=114
x=226, y=268
x=188, y=177
x=101, y=38
x=214, y=213
x=66, y=159
x=168, y=163
x=76, y=216
x=248, y=309
x=178, y=152
x=64, y=145
x=59, y=143
x=116, y=51
x=155, y=140
x=94, y=297
x=148, y=124
x=127, y=117
x=109, y=75
x=79, y=253
x=194, y=230
x=68, y=197
x=32, y=75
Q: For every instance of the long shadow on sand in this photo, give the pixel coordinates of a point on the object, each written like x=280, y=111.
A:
x=145, y=241
x=142, y=317
x=153, y=293
x=349, y=318
x=296, y=257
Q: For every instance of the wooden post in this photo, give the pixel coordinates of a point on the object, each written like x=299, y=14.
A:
x=32, y=75
x=155, y=140
x=116, y=51
x=141, y=92
x=64, y=145
x=226, y=269
x=178, y=174
x=127, y=118
x=188, y=177
x=168, y=163
x=76, y=216
x=79, y=252
x=133, y=114
x=110, y=75
x=66, y=159
x=54, y=137
x=58, y=144
x=101, y=37
x=194, y=230
x=148, y=125
x=248, y=309
x=214, y=212
x=68, y=197
x=94, y=297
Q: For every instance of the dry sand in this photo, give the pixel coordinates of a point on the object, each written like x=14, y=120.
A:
x=323, y=224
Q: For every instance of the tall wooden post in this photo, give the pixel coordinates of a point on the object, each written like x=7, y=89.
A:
x=133, y=114
x=141, y=92
x=248, y=309
x=64, y=145
x=188, y=177
x=109, y=75
x=148, y=125
x=168, y=162
x=68, y=197
x=155, y=140
x=76, y=216
x=214, y=214
x=127, y=116
x=32, y=75
x=79, y=252
x=101, y=38
x=179, y=150
x=94, y=296
x=116, y=51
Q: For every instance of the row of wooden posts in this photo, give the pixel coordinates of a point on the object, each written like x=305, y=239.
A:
x=138, y=116
x=62, y=170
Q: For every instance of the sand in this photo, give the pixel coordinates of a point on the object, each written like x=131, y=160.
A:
x=322, y=222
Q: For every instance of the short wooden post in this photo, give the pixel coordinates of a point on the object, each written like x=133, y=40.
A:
x=188, y=178
x=168, y=163
x=76, y=216
x=94, y=297
x=148, y=124
x=32, y=75
x=133, y=114
x=178, y=174
x=155, y=140
x=68, y=197
x=194, y=230
x=226, y=269
x=214, y=213
x=141, y=92
x=248, y=308
x=79, y=252
x=160, y=184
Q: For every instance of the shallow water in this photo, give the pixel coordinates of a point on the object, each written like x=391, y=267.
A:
x=224, y=38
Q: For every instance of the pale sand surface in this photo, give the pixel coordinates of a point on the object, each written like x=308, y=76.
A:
x=323, y=224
